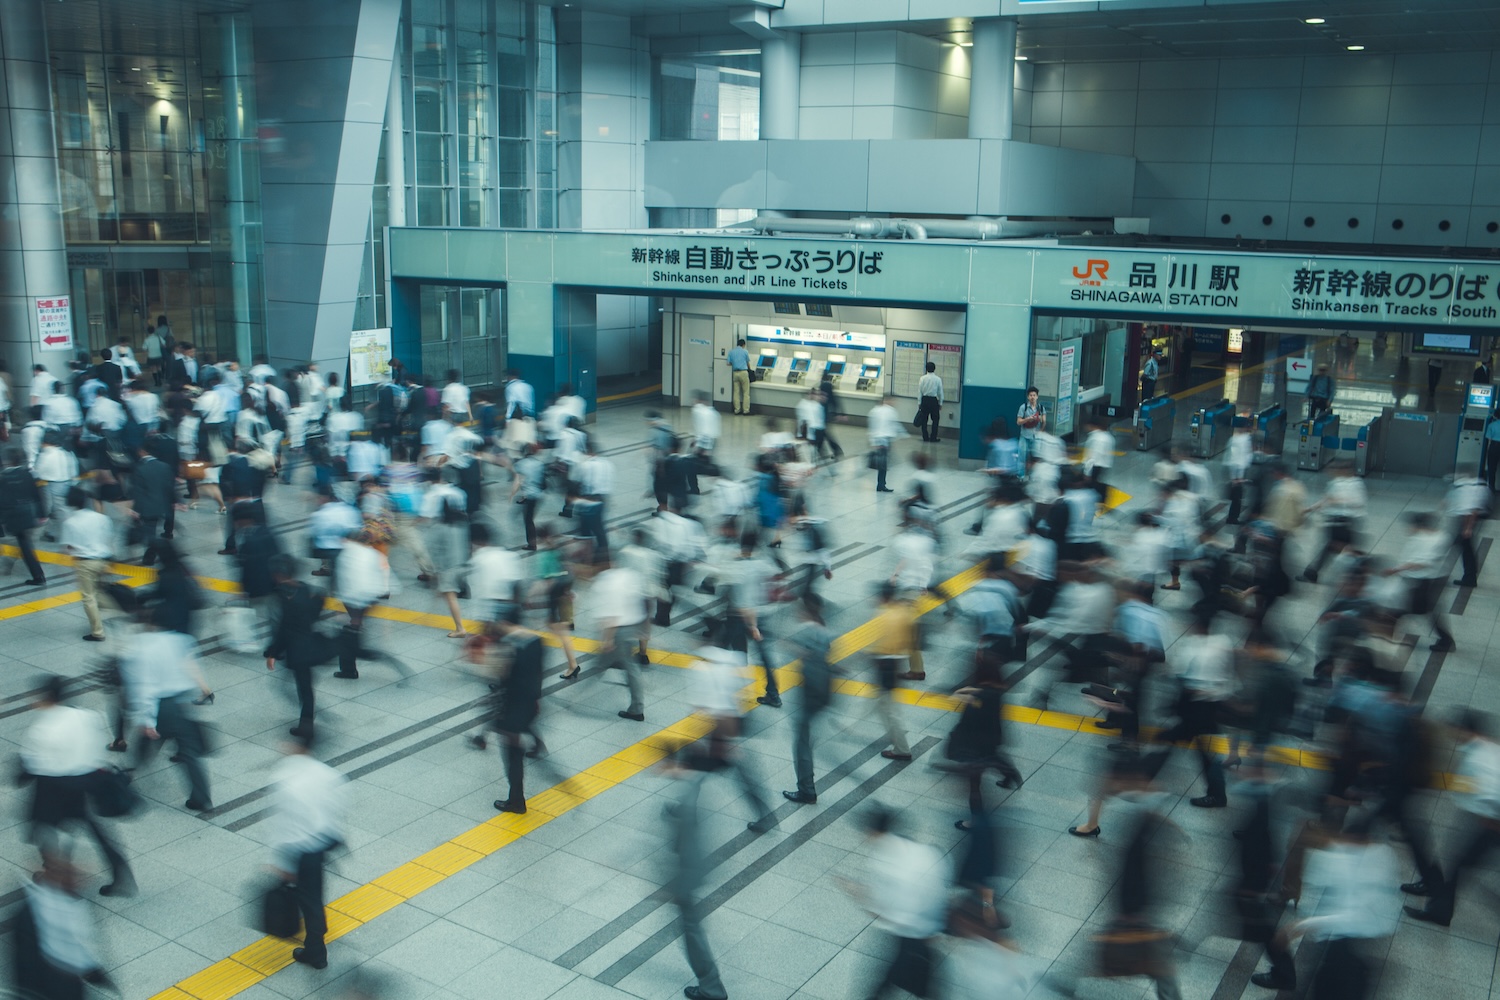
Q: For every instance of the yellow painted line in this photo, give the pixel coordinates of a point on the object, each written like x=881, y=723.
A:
x=632, y=394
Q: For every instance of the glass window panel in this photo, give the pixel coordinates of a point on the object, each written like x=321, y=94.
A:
x=474, y=162
x=427, y=11
x=511, y=61
x=471, y=206
x=432, y=206
x=512, y=104
x=88, y=195
x=429, y=51
x=510, y=18
x=154, y=197
x=546, y=209
x=513, y=209
x=513, y=163
x=432, y=158
x=430, y=105
x=474, y=110
x=79, y=89
x=709, y=95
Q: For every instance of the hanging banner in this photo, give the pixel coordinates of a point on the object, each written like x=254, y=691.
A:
x=54, y=323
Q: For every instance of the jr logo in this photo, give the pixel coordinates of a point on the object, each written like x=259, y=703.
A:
x=1093, y=273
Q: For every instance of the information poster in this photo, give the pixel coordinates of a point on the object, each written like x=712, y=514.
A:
x=54, y=323
x=949, y=361
x=1067, y=387
x=907, y=365
x=369, y=356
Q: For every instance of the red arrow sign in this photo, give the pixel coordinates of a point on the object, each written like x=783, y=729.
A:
x=1298, y=364
x=56, y=339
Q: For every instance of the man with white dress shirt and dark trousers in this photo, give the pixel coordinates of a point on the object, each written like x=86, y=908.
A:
x=88, y=536
x=307, y=802
x=930, y=409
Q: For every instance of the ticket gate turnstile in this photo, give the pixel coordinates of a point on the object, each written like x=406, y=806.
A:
x=1367, y=447
x=1210, y=429
x=1317, y=442
x=1154, y=426
x=1270, y=429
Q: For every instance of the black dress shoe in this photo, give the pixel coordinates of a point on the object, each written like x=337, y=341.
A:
x=300, y=955
x=197, y=806
x=345, y=675
x=1266, y=980
x=802, y=797
x=1085, y=833
x=694, y=993
x=91, y=637
x=884, y=489
x=771, y=700
x=119, y=887
x=1444, y=645
x=36, y=581
x=1466, y=583
x=1418, y=888
x=1427, y=918
x=759, y=825
x=632, y=716
x=1210, y=802
x=507, y=806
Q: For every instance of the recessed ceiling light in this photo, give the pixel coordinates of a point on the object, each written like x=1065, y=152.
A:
x=1355, y=48
x=1313, y=20
x=135, y=69
x=1021, y=58
x=965, y=45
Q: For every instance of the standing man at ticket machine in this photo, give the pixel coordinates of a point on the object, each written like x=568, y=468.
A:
x=1492, y=450
x=930, y=392
x=739, y=368
x=1319, y=394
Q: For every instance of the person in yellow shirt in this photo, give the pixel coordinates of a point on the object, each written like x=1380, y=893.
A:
x=895, y=639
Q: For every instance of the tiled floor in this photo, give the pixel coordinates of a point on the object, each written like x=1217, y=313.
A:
x=574, y=909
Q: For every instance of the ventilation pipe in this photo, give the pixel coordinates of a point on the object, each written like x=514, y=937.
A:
x=913, y=229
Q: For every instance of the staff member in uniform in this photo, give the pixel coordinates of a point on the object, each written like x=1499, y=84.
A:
x=930, y=391
x=739, y=368
x=1149, y=374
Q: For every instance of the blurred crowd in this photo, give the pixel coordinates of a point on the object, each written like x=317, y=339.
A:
x=1068, y=599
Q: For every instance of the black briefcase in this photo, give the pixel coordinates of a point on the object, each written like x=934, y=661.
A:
x=279, y=916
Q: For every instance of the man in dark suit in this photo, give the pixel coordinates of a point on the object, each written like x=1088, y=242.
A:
x=296, y=638
x=183, y=368
x=517, y=703
x=152, y=483
x=106, y=371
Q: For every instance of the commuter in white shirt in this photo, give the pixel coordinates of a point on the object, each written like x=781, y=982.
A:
x=455, y=397
x=1479, y=797
x=62, y=412
x=930, y=402
x=308, y=802
x=1343, y=509
x=61, y=751
x=810, y=420
x=1420, y=566
x=144, y=406
x=58, y=468
x=1098, y=456
x=88, y=536
x=519, y=395
x=620, y=605
x=906, y=890
x=1467, y=502
x=884, y=427
x=160, y=675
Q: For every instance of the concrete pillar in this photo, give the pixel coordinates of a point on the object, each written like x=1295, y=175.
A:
x=33, y=252
x=992, y=76
x=780, y=85
x=395, y=147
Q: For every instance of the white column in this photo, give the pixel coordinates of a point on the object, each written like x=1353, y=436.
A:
x=780, y=85
x=992, y=76
x=395, y=145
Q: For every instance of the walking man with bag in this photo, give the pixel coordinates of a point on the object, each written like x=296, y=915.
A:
x=296, y=638
x=308, y=801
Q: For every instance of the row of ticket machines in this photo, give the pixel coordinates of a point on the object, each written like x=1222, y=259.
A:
x=801, y=368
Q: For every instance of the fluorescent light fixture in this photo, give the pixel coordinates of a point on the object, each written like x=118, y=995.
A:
x=1314, y=20
x=1355, y=48
x=1021, y=58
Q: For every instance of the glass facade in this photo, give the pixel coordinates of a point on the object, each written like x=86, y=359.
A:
x=706, y=95
x=158, y=172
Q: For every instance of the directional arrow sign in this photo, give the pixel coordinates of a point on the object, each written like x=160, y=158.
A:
x=54, y=322
x=55, y=338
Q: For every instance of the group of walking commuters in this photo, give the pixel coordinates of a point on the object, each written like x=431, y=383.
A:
x=509, y=509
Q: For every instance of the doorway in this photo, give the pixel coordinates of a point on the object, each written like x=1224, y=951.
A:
x=110, y=303
x=462, y=330
x=696, y=337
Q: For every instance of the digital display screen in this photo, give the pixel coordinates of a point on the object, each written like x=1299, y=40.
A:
x=1481, y=395
x=869, y=371
x=801, y=364
x=766, y=361
x=1447, y=343
x=835, y=368
x=787, y=308
x=819, y=309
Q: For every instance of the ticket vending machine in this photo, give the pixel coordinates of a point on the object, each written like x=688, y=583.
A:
x=801, y=365
x=1479, y=404
x=869, y=375
x=835, y=368
x=765, y=364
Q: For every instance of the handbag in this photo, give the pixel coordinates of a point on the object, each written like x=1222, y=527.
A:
x=194, y=471
x=279, y=914
x=755, y=375
x=111, y=793
x=1134, y=951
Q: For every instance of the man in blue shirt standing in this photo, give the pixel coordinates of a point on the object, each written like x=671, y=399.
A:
x=1491, y=450
x=739, y=366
